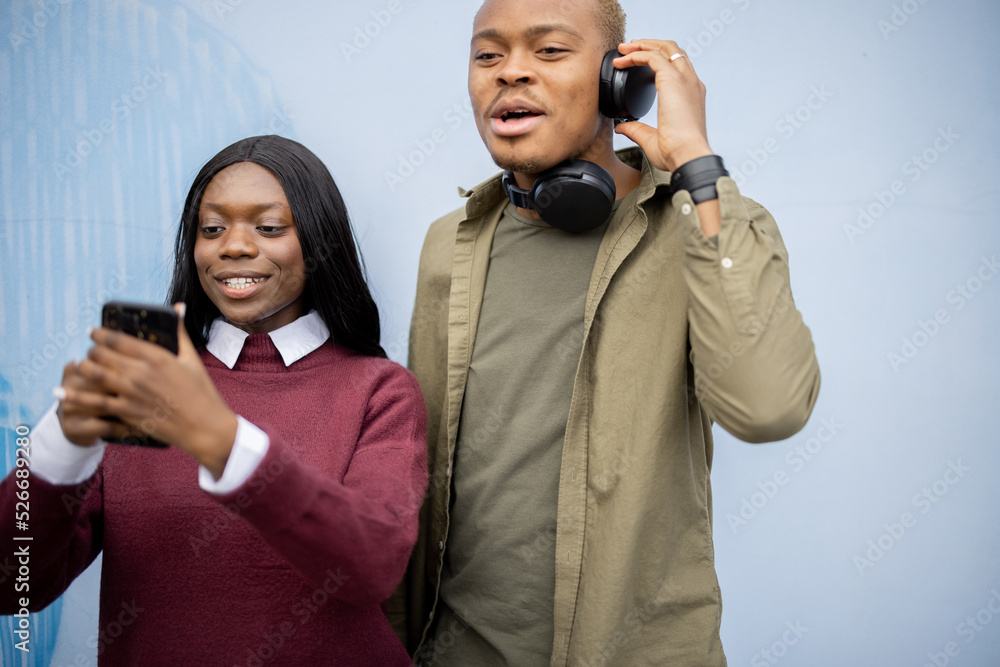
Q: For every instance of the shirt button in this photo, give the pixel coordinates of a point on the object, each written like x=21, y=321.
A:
x=440, y=545
x=727, y=263
x=686, y=209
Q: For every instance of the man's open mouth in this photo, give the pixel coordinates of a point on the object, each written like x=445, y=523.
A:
x=514, y=115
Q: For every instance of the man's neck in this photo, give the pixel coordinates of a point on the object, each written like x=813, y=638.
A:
x=626, y=178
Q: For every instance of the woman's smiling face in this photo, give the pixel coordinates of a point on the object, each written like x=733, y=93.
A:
x=247, y=252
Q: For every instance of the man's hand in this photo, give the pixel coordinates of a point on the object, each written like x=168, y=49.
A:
x=168, y=397
x=680, y=135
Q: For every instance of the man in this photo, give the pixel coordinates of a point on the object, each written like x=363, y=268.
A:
x=572, y=378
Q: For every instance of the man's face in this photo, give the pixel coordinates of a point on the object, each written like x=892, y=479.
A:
x=533, y=80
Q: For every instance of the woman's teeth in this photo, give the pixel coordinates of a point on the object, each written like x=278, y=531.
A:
x=241, y=283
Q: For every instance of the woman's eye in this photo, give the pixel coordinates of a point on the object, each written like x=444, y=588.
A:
x=270, y=229
x=210, y=230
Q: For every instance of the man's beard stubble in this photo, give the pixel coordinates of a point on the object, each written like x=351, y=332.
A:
x=529, y=167
x=532, y=167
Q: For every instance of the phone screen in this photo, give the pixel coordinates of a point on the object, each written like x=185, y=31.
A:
x=156, y=324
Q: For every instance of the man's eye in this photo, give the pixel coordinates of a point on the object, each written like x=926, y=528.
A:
x=551, y=50
x=487, y=56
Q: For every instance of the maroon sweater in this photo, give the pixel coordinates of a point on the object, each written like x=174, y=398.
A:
x=293, y=568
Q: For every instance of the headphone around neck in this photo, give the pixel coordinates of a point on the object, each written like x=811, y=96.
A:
x=576, y=195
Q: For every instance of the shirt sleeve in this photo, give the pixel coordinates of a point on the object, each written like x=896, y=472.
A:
x=754, y=361
x=57, y=460
x=249, y=448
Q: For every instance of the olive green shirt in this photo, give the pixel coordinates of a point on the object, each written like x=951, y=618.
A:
x=498, y=581
x=678, y=332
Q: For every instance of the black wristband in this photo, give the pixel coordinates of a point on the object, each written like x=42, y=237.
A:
x=698, y=177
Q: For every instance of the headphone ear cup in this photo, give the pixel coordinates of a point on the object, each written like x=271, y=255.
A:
x=634, y=96
x=625, y=93
x=606, y=96
x=575, y=196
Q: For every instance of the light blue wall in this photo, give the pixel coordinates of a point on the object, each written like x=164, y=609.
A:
x=108, y=109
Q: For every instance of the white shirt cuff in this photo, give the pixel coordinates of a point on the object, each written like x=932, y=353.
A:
x=55, y=459
x=248, y=451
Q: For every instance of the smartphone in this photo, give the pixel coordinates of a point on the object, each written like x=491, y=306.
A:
x=156, y=324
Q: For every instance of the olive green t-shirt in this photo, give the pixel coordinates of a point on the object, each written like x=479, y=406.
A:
x=498, y=582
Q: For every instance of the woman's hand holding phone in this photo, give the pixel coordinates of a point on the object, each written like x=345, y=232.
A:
x=83, y=425
x=165, y=396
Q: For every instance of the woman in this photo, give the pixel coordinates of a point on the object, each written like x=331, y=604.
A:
x=307, y=444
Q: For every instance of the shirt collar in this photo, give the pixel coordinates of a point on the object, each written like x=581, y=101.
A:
x=487, y=194
x=294, y=340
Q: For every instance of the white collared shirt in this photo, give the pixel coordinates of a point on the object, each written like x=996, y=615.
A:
x=58, y=461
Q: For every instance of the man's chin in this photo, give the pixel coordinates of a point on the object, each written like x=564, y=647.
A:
x=521, y=164
x=530, y=160
x=518, y=167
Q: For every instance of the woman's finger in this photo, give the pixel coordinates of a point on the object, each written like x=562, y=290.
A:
x=185, y=347
x=96, y=370
x=91, y=403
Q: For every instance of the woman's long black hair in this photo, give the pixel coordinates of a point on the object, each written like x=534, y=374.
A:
x=335, y=281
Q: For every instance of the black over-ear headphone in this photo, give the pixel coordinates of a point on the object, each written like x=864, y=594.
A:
x=576, y=195
x=625, y=94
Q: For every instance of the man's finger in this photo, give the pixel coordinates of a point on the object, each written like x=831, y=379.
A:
x=639, y=133
x=669, y=51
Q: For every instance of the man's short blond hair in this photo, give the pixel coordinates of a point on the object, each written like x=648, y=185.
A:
x=611, y=21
